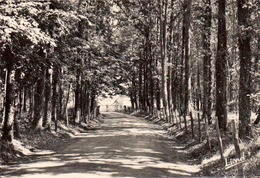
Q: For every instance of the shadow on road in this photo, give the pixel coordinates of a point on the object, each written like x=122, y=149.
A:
x=124, y=147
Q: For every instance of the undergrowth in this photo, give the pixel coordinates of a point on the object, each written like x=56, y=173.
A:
x=209, y=158
x=29, y=141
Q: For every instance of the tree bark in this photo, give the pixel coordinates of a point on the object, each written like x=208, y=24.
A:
x=151, y=80
x=77, y=109
x=243, y=13
x=221, y=67
x=17, y=102
x=65, y=112
x=140, y=87
x=59, y=97
x=186, y=27
x=39, y=101
x=47, y=103
x=206, y=35
x=163, y=45
x=54, y=96
x=7, y=136
x=24, y=99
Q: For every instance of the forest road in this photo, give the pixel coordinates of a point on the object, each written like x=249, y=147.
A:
x=125, y=146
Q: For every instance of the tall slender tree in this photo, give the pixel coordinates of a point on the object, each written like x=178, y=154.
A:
x=243, y=14
x=7, y=135
x=221, y=67
x=163, y=6
x=186, y=56
x=206, y=34
x=39, y=101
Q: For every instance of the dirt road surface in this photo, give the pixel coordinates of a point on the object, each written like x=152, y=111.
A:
x=125, y=146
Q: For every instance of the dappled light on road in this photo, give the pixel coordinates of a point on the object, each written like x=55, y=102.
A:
x=124, y=147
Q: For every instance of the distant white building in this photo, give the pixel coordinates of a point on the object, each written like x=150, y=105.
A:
x=113, y=104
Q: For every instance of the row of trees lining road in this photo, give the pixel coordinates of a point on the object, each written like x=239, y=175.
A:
x=54, y=54
x=193, y=56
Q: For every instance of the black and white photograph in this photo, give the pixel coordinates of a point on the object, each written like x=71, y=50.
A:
x=129, y=88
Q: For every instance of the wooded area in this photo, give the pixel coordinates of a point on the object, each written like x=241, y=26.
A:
x=180, y=61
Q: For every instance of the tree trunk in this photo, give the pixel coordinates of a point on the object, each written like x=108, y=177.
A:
x=24, y=99
x=88, y=103
x=151, y=80
x=77, y=111
x=47, y=94
x=31, y=102
x=158, y=96
x=39, y=101
x=145, y=78
x=221, y=67
x=132, y=100
x=59, y=98
x=207, y=61
x=17, y=102
x=198, y=90
x=54, y=96
x=65, y=114
x=93, y=101
x=163, y=45
x=243, y=13
x=84, y=101
x=7, y=136
x=186, y=27
x=140, y=83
